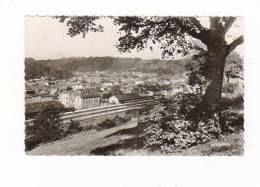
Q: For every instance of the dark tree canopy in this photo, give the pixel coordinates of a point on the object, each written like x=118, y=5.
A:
x=173, y=34
x=80, y=24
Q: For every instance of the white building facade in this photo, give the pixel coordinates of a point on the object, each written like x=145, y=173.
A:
x=67, y=99
x=87, y=101
x=81, y=98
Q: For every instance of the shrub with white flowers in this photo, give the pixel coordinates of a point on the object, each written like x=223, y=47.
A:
x=180, y=134
x=177, y=127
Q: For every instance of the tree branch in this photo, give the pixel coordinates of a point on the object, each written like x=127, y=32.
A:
x=214, y=23
x=234, y=44
x=197, y=23
x=201, y=35
x=228, y=23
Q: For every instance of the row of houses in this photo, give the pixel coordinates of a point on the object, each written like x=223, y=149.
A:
x=92, y=97
x=159, y=90
x=32, y=97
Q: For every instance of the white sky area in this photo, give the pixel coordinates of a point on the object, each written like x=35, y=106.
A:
x=46, y=38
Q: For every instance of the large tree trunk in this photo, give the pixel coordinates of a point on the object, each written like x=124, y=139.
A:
x=215, y=69
x=214, y=80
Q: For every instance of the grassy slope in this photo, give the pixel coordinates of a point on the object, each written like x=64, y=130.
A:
x=228, y=145
x=127, y=139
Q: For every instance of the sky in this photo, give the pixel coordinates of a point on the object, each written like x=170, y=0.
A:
x=46, y=38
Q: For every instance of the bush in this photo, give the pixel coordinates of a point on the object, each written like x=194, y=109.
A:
x=47, y=127
x=74, y=127
x=105, y=124
x=31, y=142
x=108, y=123
x=41, y=134
x=229, y=88
x=119, y=120
x=182, y=106
x=231, y=122
x=180, y=134
x=232, y=103
x=183, y=123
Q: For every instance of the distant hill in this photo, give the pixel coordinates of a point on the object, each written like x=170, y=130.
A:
x=64, y=68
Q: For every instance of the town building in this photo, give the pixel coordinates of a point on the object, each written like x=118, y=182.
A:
x=87, y=99
x=81, y=98
x=42, y=97
x=67, y=98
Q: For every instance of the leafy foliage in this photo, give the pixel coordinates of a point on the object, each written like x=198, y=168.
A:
x=235, y=103
x=47, y=127
x=110, y=123
x=180, y=125
x=146, y=110
x=106, y=124
x=231, y=122
x=180, y=134
x=195, y=73
x=234, y=66
x=229, y=88
x=74, y=127
x=182, y=106
x=81, y=24
x=171, y=33
x=197, y=68
x=183, y=124
x=140, y=32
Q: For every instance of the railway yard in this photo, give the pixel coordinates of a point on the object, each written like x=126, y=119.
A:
x=99, y=113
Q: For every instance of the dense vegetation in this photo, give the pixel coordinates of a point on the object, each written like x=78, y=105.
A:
x=63, y=68
x=182, y=123
x=47, y=127
x=36, y=69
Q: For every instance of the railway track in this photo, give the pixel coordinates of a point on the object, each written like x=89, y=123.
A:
x=104, y=108
x=99, y=112
x=98, y=115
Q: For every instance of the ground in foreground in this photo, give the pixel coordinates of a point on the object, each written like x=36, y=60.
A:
x=127, y=139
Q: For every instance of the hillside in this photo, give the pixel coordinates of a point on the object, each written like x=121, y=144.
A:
x=64, y=68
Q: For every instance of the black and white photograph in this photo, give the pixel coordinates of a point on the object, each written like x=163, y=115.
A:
x=125, y=93
x=134, y=85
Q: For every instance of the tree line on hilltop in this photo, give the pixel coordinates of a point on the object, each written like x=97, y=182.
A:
x=64, y=68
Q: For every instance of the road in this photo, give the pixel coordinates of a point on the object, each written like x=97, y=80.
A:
x=82, y=143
